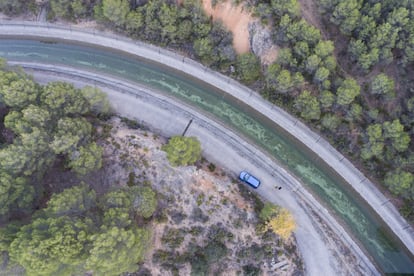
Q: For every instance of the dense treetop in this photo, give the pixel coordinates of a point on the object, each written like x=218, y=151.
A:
x=42, y=123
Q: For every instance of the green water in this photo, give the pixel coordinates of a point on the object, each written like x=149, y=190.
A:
x=386, y=252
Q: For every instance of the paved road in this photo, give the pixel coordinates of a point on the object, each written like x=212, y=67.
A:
x=168, y=117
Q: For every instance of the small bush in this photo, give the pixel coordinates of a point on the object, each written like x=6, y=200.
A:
x=251, y=270
x=173, y=237
x=211, y=167
x=200, y=199
x=131, y=123
x=182, y=151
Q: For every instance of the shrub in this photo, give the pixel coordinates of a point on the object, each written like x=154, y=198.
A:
x=183, y=151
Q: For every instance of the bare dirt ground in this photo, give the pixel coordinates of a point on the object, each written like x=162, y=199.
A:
x=237, y=19
x=234, y=18
x=270, y=55
x=311, y=14
x=197, y=205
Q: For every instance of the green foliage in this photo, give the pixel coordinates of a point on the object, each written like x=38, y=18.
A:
x=7, y=235
x=355, y=112
x=248, y=67
x=326, y=98
x=27, y=155
x=19, y=92
x=120, y=198
x=183, y=151
x=115, y=11
x=120, y=248
x=168, y=15
x=35, y=116
x=282, y=81
x=346, y=15
x=201, y=258
x=63, y=99
x=312, y=63
x=203, y=48
x=376, y=29
x=330, y=122
x=71, y=9
x=400, y=182
x=382, y=84
x=15, y=7
x=15, y=193
x=14, y=121
x=137, y=200
x=395, y=132
x=251, y=270
x=97, y=100
x=70, y=133
x=50, y=246
x=199, y=265
x=117, y=217
x=268, y=211
x=38, y=119
x=321, y=75
x=74, y=233
x=347, y=92
x=324, y=49
x=75, y=201
x=173, y=237
x=134, y=22
x=88, y=158
x=285, y=58
x=214, y=251
x=375, y=145
x=281, y=7
x=308, y=106
x=301, y=50
x=144, y=201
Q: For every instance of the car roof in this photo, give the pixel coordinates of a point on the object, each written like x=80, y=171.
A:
x=253, y=181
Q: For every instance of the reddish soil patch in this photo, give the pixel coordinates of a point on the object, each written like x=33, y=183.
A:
x=235, y=19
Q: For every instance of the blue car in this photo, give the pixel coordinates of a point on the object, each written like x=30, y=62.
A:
x=249, y=179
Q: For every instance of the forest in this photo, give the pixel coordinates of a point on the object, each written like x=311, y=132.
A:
x=351, y=79
x=49, y=128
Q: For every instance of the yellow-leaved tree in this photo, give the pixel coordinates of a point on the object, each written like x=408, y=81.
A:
x=277, y=219
x=282, y=224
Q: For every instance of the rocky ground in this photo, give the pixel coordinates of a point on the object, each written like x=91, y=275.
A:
x=201, y=208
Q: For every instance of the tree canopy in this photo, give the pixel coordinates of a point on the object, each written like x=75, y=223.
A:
x=277, y=219
x=47, y=123
x=182, y=151
x=73, y=235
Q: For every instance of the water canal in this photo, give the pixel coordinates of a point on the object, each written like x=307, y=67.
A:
x=386, y=251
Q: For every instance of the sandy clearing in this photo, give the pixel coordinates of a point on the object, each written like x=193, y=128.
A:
x=270, y=55
x=235, y=19
x=310, y=13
